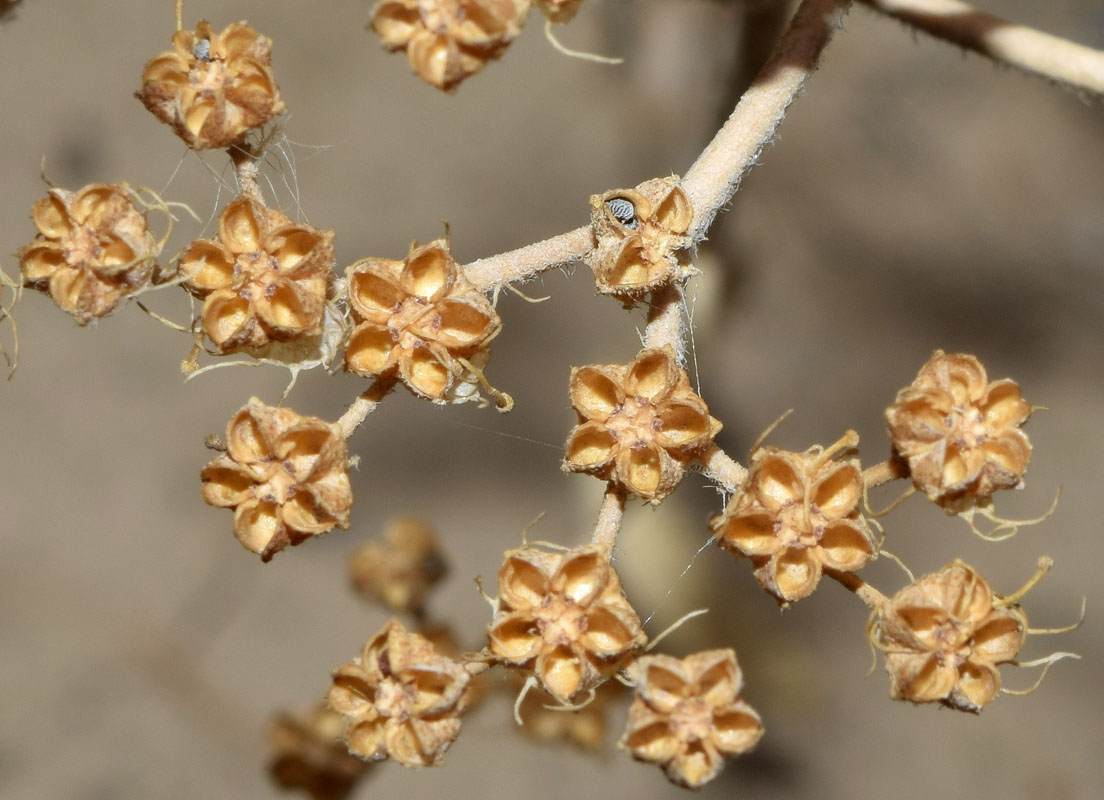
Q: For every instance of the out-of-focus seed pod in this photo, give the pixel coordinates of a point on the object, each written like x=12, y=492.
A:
x=308, y=753
x=400, y=571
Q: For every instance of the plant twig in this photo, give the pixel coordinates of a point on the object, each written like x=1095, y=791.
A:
x=363, y=406
x=863, y=590
x=609, y=517
x=665, y=319
x=527, y=262
x=720, y=467
x=1034, y=52
x=884, y=472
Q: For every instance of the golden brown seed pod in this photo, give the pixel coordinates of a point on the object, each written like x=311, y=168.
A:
x=564, y=616
x=264, y=279
x=960, y=434
x=415, y=320
x=285, y=476
x=687, y=715
x=93, y=248
x=797, y=514
x=944, y=635
x=448, y=40
x=400, y=699
x=399, y=571
x=559, y=10
x=584, y=728
x=640, y=424
x=308, y=753
x=640, y=238
x=212, y=87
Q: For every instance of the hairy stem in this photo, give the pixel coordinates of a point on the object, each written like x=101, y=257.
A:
x=665, y=319
x=1034, y=52
x=884, y=472
x=722, y=469
x=527, y=262
x=863, y=590
x=363, y=406
x=609, y=517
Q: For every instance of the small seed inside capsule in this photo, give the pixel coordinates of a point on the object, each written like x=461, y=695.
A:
x=624, y=212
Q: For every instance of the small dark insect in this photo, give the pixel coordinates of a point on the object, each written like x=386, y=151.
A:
x=202, y=49
x=624, y=212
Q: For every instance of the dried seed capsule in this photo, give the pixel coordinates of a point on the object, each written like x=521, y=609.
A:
x=584, y=728
x=308, y=753
x=687, y=715
x=93, y=248
x=212, y=87
x=960, y=434
x=400, y=571
x=559, y=10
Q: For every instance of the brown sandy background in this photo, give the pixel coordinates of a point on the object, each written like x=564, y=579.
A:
x=916, y=199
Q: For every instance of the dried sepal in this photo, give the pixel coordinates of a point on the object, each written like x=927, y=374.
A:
x=284, y=474
x=687, y=715
x=959, y=433
x=419, y=320
x=797, y=514
x=943, y=637
x=563, y=616
x=640, y=424
x=265, y=279
x=93, y=248
x=559, y=10
x=212, y=87
x=399, y=571
x=308, y=753
x=448, y=40
x=640, y=237
x=400, y=699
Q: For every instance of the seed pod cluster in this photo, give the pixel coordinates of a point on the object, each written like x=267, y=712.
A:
x=415, y=319
x=640, y=238
x=640, y=424
x=399, y=571
x=795, y=515
x=285, y=476
x=264, y=279
x=448, y=40
x=94, y=247
x=212, y=87
x=943, y=637
x=400, y=699
x=308, y=753
x=687, y=715
x=564, y=616
x=960, y=434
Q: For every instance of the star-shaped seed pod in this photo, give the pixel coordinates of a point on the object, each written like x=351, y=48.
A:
x=448, y=40
x=797, y=514
x=564, y=616
x=264, y=279
x=960, y=434
x=212, y=87
x=416, y=320
x=687, y=715
x=93, y=248
x=308, y=753
x=944, y=635
x=285, y=476
x=640, y=424
x=640, y=238
x=400, y=699
x=400, y=571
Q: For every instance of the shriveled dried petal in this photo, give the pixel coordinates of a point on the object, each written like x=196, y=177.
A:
x=309, y=753
x=399, y=571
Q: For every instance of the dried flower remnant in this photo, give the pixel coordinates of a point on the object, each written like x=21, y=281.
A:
x=960, y=434
x=584, y=728
x=417, y=320
x=943, y=637
x=264, y=279
x=400, y=699
x=797, y=514
x=212, y=87
x=448, y=40
x=559, y=10
x=93, y=248
x=640, y=424
x=564, y=616
x=399, y=571
x=687, y=715
x=285, y=476
x=641, y=238
x=308, y=753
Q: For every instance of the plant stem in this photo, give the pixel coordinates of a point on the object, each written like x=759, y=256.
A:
x=863, y=590
x=609, y=517
x=363, y=406
x=721, y=468
x=886, y=471
x=531, y=260
x=665, y=319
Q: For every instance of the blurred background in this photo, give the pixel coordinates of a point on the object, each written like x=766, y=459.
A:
x=916, y=198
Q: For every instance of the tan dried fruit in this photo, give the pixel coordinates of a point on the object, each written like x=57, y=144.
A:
x=944, y=635
x=399, y=571
x=264, y=279
x=416, y=319
x=448, y=40
x=93, y=248
x=564, y=616
x=584, y=728
x=641, y=238
x=212, y=87
x=559, y=10
x=308, y=753
x=285, y=476
x=797, y=514
x=640, y=424
x=687, y=715
x=960, y=434
x=400, y=699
